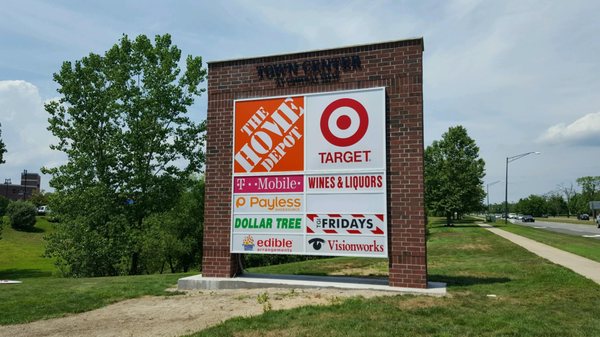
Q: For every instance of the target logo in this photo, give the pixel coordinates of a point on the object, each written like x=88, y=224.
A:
x=345, y=130
x=344, y=122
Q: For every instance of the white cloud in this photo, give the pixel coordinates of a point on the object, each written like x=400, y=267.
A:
x=24, y=132
x=583, y=131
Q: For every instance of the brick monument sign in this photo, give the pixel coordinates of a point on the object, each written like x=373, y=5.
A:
x=317, y=153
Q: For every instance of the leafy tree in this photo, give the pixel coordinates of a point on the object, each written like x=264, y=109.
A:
x=2, y=147
x=556, y=204
x=534, y=205
x=590, y=188
x=39, y=198
x=569, y=192
x=4, y=201
x=3, y=205
x=122, y=122
x=174, y=238
x=454, y=175
x=21, y=215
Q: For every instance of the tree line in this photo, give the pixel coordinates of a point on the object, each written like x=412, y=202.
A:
x=565, y=200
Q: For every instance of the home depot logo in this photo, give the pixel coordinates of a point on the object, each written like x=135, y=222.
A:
x=268, y=135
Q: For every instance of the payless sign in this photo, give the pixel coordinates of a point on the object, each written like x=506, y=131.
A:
x=309, y=171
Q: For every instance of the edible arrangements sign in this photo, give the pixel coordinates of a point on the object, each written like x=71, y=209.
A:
x=309, y=175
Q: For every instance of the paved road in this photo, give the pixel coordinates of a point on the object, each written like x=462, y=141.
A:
x=566, y=228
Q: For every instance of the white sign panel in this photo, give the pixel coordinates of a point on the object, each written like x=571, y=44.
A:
x=309, y=175
x=345, y=131
x=346, y=203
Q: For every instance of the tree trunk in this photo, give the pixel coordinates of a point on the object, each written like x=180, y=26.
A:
x=449, y=220
x=135, y=258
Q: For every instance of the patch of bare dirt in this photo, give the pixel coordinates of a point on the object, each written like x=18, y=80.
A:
x=181, y=314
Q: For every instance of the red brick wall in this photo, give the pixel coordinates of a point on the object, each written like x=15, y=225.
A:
x=394, y=65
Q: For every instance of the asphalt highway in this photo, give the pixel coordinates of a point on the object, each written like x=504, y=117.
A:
x=591, y=231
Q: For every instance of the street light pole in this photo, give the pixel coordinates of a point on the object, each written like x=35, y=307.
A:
x=24, y=182
x=488, y=194
x=510, y=160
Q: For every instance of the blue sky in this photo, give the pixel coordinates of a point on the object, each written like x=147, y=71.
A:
x=519, y=75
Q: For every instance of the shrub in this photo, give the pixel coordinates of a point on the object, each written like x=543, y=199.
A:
x=3, y=204
x=21, y=215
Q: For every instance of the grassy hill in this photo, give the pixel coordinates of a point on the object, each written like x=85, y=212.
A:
x=22, y=252
x=44, y=294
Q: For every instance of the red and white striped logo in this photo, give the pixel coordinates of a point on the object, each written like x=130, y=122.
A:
x=361, y=224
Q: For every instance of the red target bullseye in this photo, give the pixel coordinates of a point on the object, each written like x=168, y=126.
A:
x=344, y=122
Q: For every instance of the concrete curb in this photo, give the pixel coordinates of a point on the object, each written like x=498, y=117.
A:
x=251, y=281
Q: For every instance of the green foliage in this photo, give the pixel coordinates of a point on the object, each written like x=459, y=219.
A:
x=590, y=187
x=3, y=204
x=533, y=205
x=21, y=215
x=454, y=174
x=39, y=198
x=174, y=238
x=262, y=260
x=2, y=147
x=556, y=205
x=131, y=149
x=263, y=299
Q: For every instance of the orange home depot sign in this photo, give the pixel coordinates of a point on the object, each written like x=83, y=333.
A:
x=269, y=135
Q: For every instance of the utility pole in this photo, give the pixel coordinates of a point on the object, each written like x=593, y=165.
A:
x=24, y=182
x=510, y=160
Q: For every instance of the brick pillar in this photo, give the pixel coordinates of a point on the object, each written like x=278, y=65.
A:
x=217, y=261
x=406, y=209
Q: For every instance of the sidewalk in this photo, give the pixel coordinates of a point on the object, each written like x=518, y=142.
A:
x=578, y=264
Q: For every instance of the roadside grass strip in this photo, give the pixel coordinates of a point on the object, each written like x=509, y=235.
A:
x=495, y=288
x=585, y=246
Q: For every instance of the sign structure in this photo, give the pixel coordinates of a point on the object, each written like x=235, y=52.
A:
x=309, y=175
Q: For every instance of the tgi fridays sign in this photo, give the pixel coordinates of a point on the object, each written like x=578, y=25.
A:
x=309, y=175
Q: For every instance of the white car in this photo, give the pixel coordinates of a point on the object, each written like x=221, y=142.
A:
x=42, y=210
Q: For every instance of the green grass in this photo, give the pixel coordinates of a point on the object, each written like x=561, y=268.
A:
x=347, y=266
x=21, y=253
x=44, y=295
x=533, y=297
x=47, y=297
x=586, y=247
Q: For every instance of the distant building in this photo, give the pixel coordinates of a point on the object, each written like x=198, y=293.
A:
x=30, y=183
